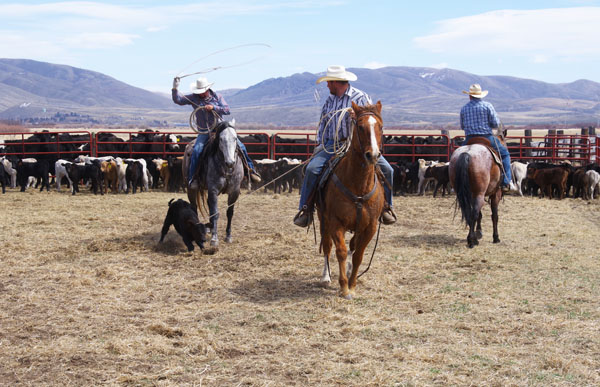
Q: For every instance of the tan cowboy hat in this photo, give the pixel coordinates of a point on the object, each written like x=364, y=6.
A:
x=475, y=91
x=200, y=86
x=337, y=73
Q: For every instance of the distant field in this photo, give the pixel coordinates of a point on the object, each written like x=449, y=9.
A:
x=88, y=297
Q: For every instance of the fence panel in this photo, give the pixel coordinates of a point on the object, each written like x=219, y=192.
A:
x=410, y=147
x=64, y=144
x=293, y=145
x=161, y=144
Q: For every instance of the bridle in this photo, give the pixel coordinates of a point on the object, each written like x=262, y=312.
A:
x=362, y=114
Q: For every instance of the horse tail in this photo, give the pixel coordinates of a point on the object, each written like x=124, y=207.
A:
x=464, y=197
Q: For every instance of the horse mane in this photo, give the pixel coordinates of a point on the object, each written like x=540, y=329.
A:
x=212, y=146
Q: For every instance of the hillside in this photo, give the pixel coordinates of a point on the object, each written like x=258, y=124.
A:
x=412, y=96
x=29, y=87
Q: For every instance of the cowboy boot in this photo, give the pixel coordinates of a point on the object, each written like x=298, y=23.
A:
x=388, y=216
x=254, y=176
x=304, y=217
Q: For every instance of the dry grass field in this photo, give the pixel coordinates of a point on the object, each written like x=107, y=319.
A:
x=88, y=297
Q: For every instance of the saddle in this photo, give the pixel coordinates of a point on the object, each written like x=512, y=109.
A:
x=486, y=143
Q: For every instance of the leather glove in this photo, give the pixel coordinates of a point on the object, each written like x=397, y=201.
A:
x=176, y=81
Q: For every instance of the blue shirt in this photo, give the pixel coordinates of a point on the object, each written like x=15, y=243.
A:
x=478, y=118
x=204, y=119
x=330, y=114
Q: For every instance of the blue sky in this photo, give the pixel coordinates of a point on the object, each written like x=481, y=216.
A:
x=146, y=43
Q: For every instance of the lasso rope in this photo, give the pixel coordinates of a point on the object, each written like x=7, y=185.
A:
x=211, y=69
x=194, y=123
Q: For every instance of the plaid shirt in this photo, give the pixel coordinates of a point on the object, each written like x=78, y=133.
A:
x=204, y=119
x=330, y=114
x=478, y=118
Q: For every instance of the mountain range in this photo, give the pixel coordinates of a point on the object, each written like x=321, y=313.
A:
x=411, y=96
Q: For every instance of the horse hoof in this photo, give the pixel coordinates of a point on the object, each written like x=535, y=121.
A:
x=214, y=244
x=228, y=239
x=479, y=235
x=348, y=297
x=496, y=240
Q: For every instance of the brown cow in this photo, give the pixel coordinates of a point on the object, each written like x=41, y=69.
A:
x=546, y=177
x=109, y=169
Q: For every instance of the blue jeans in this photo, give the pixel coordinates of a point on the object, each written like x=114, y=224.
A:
x=315, y=167
x=197, y=151
x=504, y=154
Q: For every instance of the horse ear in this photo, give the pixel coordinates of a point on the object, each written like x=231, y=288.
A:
x=232, y=122
x=378, y=105
x=354, y=106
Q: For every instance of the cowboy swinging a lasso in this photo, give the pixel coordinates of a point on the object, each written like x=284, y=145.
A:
x=209, y=107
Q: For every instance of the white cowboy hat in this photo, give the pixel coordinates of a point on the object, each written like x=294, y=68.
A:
x=200, y=86
x=337, y=73
x=475, y=91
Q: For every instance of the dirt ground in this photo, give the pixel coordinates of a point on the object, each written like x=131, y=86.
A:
x=88, y=296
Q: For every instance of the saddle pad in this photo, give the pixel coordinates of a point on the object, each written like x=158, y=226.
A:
x=327, y=170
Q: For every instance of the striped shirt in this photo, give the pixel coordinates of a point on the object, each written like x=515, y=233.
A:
x=330, y=114
x=204, y=118
x=478, y=118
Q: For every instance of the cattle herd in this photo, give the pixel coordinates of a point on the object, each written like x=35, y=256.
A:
x=64, y=159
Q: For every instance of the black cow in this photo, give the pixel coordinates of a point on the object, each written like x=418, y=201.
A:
x=110, y=145
x=133, y=175
x=92, y=171
x=3, y=178
x=39, y=169
x=185, y=219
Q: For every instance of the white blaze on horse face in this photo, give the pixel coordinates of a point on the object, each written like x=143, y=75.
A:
x=374, y=146
x=228, y=145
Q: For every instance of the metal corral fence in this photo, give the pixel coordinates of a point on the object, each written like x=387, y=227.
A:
x=65, y=144
x=398, y=145
x=160, y=144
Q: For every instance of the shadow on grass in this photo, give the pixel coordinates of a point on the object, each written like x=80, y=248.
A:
x=434, y=240
x=269, y=290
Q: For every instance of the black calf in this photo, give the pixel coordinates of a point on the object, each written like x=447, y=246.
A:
x=39, y=169
x=184, y=218
x=3, y=178
x=88, y=171
x=133, y=175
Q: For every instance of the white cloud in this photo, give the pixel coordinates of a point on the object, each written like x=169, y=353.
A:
x=374, y=65
x=101, y=40
x=544, y=33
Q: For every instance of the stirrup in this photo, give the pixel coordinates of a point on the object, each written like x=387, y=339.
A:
x=304, y=217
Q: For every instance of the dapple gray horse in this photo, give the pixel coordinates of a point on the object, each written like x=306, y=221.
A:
x=220, y=171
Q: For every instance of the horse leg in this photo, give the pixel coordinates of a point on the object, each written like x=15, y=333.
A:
x=213, y=211
x=475, y=220
x=357, y=257
x=478, y=232
x=349, y=256
x=326, y=244
x=341, y=253
x=231, y=199
x=494, y=201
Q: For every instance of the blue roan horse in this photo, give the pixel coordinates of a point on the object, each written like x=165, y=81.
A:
x=220, y=171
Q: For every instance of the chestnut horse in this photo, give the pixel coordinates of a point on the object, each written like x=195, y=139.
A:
x=475, y=175
x=353, y=198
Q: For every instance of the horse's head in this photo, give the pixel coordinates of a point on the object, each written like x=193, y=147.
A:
x=368, y=133
x=227, y=140
x=501, y=134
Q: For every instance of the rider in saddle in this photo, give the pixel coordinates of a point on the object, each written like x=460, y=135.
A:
x=477, y=119
x=214, y=107
x=342, y=95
